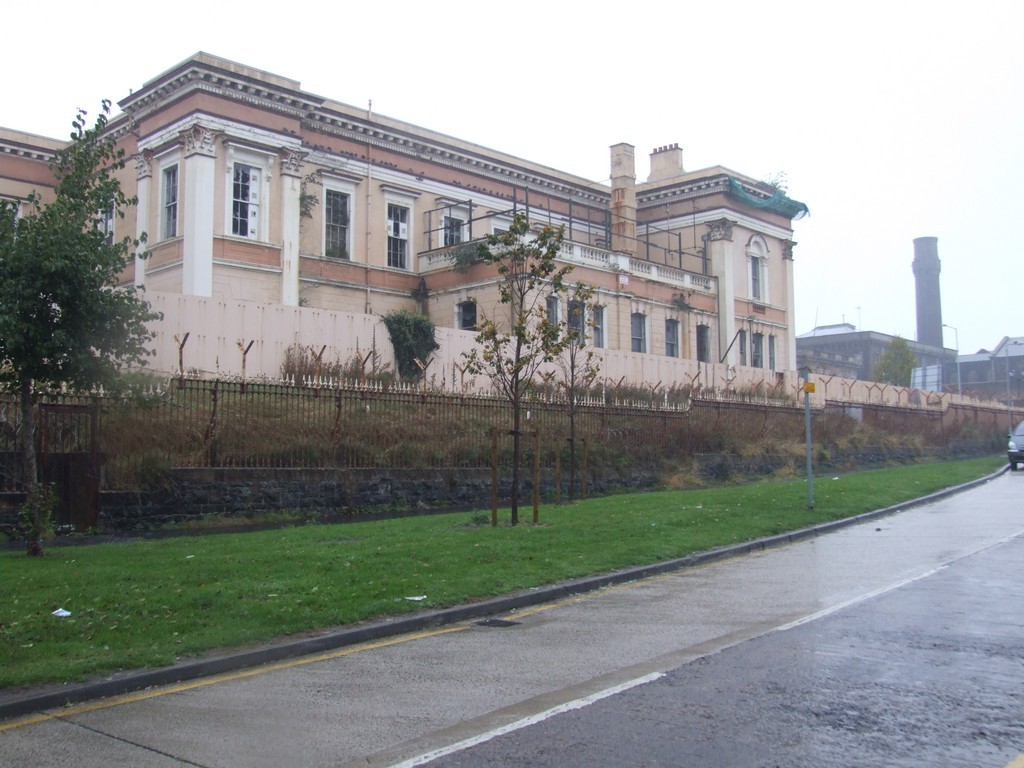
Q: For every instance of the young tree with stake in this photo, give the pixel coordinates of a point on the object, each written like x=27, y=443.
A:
x=514, y=346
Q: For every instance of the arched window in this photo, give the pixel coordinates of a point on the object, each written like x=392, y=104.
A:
x=757, y=268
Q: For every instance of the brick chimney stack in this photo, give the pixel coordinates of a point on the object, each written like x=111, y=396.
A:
x=623, y=199
x=666, y=163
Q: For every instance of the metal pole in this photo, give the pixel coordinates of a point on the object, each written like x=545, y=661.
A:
x=494, y=477
x=956, y=338
x=808, y=388
x=536, y=476
x=1009, y=403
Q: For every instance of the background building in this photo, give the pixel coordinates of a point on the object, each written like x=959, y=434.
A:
x=842, y=350
x=996, y=375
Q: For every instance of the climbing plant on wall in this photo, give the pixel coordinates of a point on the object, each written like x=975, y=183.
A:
x=412, y=336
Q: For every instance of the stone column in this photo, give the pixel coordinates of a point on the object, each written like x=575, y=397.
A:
x=291, y=218
x=143, y=185
x=789, y=364
x=720, y=252
x=198, y=208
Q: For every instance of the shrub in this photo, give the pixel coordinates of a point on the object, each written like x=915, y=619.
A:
x=412, y=337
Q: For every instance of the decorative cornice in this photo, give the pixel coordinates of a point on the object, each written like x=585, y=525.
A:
x=720, y=229
x=689, y=190
x=703, y=215
x=27, y=152
x=401, y=190
x=203, y=77
x=449, y=156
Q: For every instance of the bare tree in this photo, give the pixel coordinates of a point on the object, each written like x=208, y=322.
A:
x=514, y=346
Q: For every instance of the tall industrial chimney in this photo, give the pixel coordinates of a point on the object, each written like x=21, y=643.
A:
x=929, y=303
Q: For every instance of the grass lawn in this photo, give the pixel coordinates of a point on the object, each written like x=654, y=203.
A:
x=150, y=603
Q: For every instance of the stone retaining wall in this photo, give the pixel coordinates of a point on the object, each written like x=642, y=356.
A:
x=193, y=494
x=332, y=494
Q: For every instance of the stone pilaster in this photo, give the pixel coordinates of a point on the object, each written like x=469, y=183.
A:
x=789, y=363
x=291, y=220
x=143, y=191
x=198, y=207
x=722, y=257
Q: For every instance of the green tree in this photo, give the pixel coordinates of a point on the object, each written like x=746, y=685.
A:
x=896, y=365
x=512, y=348
x=63, y=318
x=579, y=365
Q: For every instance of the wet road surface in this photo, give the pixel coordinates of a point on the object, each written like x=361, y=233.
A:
x=929, y=674
x=860, y=647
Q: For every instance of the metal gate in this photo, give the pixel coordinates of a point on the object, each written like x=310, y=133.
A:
x=67, y=438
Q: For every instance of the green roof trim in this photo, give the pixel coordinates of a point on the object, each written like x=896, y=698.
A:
x=778, y=203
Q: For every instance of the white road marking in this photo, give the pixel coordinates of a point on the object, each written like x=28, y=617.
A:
x=427, y=757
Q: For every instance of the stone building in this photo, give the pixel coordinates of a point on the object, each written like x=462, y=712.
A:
x=284, y=217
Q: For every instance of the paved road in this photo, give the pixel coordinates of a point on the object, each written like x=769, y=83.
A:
x=929, y=674
x=674, y=643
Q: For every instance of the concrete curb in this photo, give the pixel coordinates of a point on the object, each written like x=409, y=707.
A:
x=37, y=701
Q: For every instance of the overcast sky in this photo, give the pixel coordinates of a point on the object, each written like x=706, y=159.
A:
x=891, y=120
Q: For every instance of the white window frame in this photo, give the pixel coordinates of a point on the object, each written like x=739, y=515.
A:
x=703, y=335
x=167, y=205
x=404, y=232
x=105, y=223
x=246, y=200
x=342, y=188
x=672, y=326
x=757, y=350
x=598, y=326
x=446, y=230
x=258, y=203
x=553, y=309
x=460, y=308
x=500, y=224
x=633, y=338
x=580, y=325
x=741, y=340
x=398, y=232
